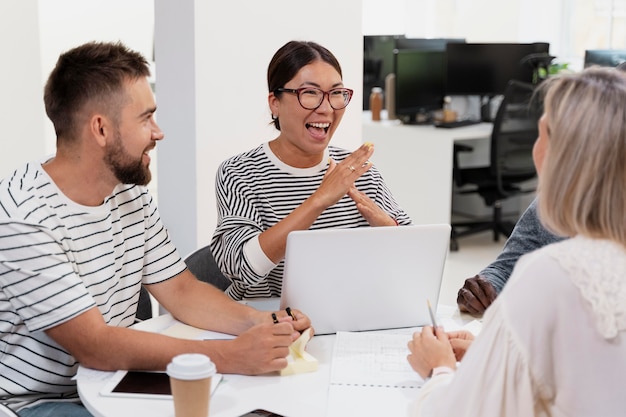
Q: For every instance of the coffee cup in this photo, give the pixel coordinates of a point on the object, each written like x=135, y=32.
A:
x=190, y=379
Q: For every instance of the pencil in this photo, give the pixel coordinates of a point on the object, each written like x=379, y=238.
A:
x=432, y=316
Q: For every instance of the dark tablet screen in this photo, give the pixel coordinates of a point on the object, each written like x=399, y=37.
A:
x=139, y=382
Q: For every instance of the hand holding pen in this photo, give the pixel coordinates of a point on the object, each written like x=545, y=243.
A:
x=430, y=349
x=298, y=320
x=460, y=340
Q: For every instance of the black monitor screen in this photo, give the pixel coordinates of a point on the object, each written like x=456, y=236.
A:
x=486, y=68
x=426, y=44
x=420, y=81
x=605, y=57
x=377, y=62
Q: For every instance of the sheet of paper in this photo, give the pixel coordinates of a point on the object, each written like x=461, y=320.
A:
x=375, y=359
x=346, y=400
x=184, y=331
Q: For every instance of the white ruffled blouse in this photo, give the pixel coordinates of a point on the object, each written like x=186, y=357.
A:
x=552, y=344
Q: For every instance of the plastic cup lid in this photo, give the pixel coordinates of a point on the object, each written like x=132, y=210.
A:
x=191, y=366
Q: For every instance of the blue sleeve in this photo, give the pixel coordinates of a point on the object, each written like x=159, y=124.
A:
x=528, y=235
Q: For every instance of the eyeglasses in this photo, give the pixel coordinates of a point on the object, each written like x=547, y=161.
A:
x=311, y=98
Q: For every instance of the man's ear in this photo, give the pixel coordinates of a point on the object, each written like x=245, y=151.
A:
x=100, y=129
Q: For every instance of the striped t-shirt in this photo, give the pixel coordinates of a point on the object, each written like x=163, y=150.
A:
x=57, y=260
x=255, y=190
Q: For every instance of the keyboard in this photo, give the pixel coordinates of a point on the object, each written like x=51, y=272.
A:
x=457, y=123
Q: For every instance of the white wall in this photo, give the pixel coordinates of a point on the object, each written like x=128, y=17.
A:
x=474, y=20
x=32, y=35
x=21, y=107
x=211, y=64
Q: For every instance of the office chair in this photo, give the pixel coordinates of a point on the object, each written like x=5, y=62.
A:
x=513, y=136
x=202, y=264
x=144, y=306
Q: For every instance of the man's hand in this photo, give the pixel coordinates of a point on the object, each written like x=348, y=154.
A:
x=259, y=350
x=476, y=295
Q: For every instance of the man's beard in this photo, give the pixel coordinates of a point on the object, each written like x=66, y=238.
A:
x=125, y=168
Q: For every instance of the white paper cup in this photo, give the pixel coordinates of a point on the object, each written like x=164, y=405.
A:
x=190, y=378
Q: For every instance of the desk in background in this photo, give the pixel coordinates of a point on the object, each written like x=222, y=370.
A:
x=416, y=163
x=301, y=395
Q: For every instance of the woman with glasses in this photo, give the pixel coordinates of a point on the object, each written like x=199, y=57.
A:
x=554, y=341
x=297, y=181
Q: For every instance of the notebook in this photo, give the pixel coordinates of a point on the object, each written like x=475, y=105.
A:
x=365, y=278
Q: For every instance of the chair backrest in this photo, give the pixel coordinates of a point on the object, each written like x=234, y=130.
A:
x=144, y=307
x=202, y=264
x=514, y=133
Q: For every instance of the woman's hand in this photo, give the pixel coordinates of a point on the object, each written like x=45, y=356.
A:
x=460, y=342
x=430, y=348
x=341, y=176
x=374, y=215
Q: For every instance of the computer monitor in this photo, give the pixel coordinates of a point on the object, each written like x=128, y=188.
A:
x=377, y=62
x=419, y=83
x=426, y=44
x=485, y=68
x=605, y=57
x=378, y=59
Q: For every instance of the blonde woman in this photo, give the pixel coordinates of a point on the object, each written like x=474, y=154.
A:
x=554, y=342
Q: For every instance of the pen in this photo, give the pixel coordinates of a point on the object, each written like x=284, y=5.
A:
x=274, y=318
x=432, y=316
x=293, y=316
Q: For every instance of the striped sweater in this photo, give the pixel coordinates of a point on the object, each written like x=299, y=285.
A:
x=255, y=190
x=59, y=259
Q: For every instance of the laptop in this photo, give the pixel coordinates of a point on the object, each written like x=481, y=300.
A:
x=366, y=278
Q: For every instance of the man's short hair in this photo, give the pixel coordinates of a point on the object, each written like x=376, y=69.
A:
x=91, y=74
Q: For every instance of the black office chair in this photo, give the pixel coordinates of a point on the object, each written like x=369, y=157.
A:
x=202, y=264
x=512, y=139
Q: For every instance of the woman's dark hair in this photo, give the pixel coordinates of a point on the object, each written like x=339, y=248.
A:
x=93, y=73
x=290, y=58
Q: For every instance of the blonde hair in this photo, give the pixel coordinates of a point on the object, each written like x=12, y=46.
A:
x=583, y=181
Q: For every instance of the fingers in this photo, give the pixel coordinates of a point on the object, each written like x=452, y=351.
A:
x=301, y=322
x=476, y=295
x=430, y=348
x=357, y=163
x=459, y=347
x=488, y=290
x=460, y=334
x=368, y=208
x=468, y=303
x=482, y=289
x=261, y=349
x=331, y=165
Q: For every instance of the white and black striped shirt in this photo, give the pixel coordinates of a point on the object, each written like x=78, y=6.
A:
x=59, y=259
x=255, y=190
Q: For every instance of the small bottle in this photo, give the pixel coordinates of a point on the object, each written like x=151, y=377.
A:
x=376, y=102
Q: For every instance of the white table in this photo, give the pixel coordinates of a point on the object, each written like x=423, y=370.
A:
x=416, y=162
x=302, y=395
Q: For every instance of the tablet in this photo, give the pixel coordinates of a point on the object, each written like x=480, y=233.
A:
x=144, y=384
